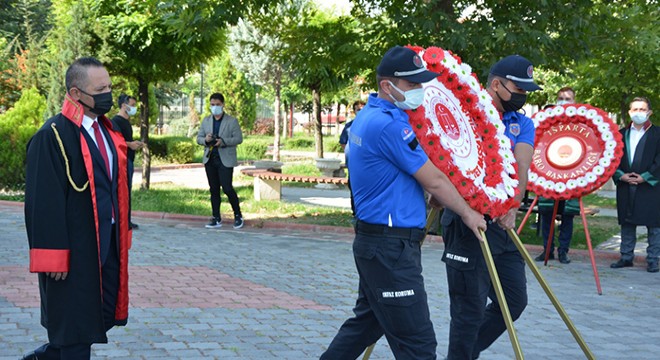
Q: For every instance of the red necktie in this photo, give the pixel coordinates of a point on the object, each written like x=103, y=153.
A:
x=101, y=145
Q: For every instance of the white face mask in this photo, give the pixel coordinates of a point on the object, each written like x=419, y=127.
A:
x=132, y=110
x=639, y=117
x=562, y=102
x=413, y=98
x=216, y=109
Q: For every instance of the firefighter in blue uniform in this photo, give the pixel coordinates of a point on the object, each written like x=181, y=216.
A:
x=474, y=326
x=389, y=173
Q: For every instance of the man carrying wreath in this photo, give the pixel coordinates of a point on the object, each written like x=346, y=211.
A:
x=474, y=326
x=389, y=173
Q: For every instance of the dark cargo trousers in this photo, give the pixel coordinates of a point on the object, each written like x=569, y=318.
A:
x=391, y=301
x=475, y=326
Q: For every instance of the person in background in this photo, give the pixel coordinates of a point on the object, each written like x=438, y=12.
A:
x=389, y=173
x=474, y=325
x=127, y=108
x=343, y=140
x=566, y=208
x=76, y=217
x=220, y=133
x=637, y=190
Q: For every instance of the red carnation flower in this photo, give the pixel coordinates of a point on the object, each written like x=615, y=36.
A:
x=433, y=55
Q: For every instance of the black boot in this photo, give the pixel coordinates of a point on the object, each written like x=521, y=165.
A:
x=563, y=257
x=541, y=256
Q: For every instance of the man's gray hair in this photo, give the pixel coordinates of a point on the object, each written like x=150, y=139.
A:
x=76, y=74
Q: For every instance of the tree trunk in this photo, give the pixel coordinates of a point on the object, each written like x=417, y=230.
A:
x=285, y=123
x=623, y=109
x=276, y=140
x=318, y=132
x=143, y=90
x=291, y=119
x=337, y=119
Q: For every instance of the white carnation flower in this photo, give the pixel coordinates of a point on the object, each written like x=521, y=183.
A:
x=604, y=162
x=591, y=113
x=571, y=111
x=598, y=120
x=598, y=170
x=560, y=187
x=582, y=111
x=571, y=184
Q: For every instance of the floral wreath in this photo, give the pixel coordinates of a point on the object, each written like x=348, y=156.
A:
x=607, y=151
x=462, y=133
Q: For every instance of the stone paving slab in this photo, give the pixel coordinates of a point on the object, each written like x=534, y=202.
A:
x=305, y=283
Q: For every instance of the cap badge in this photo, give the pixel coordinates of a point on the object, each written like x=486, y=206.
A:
x=417, y=61
x=530, y=71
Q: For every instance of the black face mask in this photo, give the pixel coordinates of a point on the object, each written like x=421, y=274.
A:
x=102, y=102
x=515, y=103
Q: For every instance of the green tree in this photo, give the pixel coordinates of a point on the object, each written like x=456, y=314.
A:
x=321, y=62
x=549, y=33
x=240, y=95
x=17, y=126
x=155, y=40
x=69, y=39
x=624, y=59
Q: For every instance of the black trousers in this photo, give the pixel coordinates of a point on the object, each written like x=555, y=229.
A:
x=220, y=176
x=110, y=279
x=391, y=300
x=474, y=325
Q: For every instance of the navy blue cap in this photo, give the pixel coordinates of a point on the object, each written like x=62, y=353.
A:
x=517, y=69
x=403, y=63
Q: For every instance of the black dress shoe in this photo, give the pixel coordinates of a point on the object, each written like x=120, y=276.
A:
x=134, y=226
x=653, y=267
x=30, y=356
x=621, y=263
x=563, y=257
x=541, y=256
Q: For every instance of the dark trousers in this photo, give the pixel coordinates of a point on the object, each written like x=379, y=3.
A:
x=220, y=176
x=565, y=231
x=110, y=275
x=475, y=326
x=391, y=300
x=131, y=169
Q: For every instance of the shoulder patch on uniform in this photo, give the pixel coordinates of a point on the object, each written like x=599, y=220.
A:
x=407, y=133
x=515, y=129
x=413, y=144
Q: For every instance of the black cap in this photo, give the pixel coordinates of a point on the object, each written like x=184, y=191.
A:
x=517, y=69
x=403, y=63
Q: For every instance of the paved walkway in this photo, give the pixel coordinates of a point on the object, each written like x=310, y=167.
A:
x=273, y=293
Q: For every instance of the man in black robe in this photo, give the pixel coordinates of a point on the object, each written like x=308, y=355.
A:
x=76, y=217
x=637, y=185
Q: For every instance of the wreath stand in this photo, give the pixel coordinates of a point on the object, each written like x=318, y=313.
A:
x=552, y=232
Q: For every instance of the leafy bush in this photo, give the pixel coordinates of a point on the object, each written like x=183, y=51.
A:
x=181, y=152
x=252, y=149
x=299, y=143
x=176, y=149
x=17, y=126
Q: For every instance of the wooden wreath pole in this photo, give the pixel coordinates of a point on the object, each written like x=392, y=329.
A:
x=504, y=307
x=591, y=250
x=429, y=221
x=529, y=211
x=551, y=295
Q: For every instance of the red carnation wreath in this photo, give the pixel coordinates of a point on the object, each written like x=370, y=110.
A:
x=461, y=131
x=578, y=148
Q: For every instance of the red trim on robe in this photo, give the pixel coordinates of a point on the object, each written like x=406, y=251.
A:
x=74, y=112
x=49, y=260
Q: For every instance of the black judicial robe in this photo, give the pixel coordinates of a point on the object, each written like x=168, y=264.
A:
x=641, y=205
x=62, y=223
